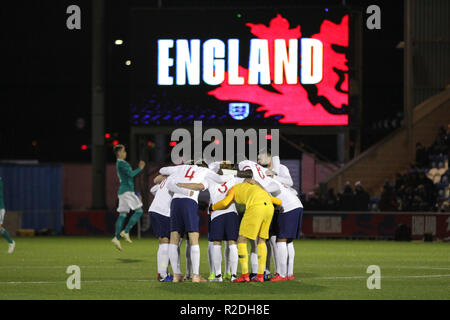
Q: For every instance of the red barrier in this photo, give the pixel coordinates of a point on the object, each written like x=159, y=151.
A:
x=375, y=224
x=315, y=224
x=85, y=222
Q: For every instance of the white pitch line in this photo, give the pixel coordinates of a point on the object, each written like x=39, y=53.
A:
x=384, y=277
x=64, y=267
x=92, y=281
x=382, y=267
x=297, y=280
x=128, y=267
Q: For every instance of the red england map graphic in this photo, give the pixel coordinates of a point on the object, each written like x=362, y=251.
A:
x=292, y=100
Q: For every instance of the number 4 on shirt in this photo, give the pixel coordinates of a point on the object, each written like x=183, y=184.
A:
x=189, y=176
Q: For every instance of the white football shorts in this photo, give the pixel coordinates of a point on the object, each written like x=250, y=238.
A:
x=128, y=201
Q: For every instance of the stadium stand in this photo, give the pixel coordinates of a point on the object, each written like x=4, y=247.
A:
x=395, y=152
x=423, y=187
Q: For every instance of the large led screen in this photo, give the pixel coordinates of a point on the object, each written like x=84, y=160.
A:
x=242, y=67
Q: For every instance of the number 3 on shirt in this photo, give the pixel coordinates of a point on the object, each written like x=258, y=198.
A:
x=189, y=176
x=225, y=186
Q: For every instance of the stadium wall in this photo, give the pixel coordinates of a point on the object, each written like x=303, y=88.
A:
x=77, y=185
x=34, y=191
x=314, y=171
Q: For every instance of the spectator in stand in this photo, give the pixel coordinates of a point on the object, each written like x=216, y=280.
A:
x=441, y=144
x=421, y=200
x=331, y=200
x=346, y=198
x=429, y=188
x=361, y=198
x=421, y=156
x=388, y=201
x=445, y=179
x=443, y=205
x=435, y=174
x=447, y=140
x=312, y=202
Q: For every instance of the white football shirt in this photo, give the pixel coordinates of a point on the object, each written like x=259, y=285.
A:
x=191, y=174
x=218, y=192
x=259, y=175
x=162, y=199
x=289, y=200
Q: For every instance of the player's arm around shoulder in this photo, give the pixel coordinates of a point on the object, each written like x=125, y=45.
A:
x=225, y=203
x=284, y=176
x=217, y=178
x=154, y=189
x=167, y=171
x=275, y=201
x=192, y=186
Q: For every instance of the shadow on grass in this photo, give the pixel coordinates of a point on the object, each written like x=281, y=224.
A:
x=293, y=290
x=129, y=260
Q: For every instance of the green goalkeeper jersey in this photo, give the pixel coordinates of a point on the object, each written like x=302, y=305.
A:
x=126, y=176
x=2, y=201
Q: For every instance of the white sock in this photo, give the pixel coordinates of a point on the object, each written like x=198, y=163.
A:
x=188, y=252
x=226, y=254
x=195, y=259
x=274, y=248
x=163, y=259
x=174, y=258
x=291, y=255
x=254, y=256
x=234, y=258
x=210, y=256
x=217, y=259
x=282, y=253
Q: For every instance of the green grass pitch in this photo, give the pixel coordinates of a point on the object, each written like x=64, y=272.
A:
x=324, y=269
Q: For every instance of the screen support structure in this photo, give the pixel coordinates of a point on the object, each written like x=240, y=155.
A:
x=98, y=107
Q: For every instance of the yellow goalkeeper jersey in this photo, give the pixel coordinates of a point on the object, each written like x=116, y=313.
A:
x=247, y=194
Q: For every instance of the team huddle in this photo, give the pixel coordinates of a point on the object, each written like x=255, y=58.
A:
x=255, y=202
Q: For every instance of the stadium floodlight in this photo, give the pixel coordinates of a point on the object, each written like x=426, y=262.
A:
x=118, y=42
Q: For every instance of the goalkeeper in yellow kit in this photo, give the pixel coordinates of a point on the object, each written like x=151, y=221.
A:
x=255, y=222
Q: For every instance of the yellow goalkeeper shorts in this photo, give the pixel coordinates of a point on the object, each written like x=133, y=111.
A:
x=256, y=221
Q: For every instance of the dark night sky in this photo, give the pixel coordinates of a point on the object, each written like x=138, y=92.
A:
x=46, y=74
